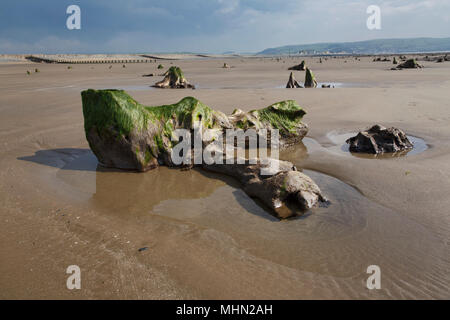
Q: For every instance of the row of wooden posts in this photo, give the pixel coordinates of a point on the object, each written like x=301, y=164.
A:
x=103, y=61
x=50, y=60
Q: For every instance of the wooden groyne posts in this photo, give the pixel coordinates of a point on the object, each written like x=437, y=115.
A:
x=34, y=58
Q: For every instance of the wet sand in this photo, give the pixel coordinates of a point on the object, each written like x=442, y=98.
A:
x=206, y=238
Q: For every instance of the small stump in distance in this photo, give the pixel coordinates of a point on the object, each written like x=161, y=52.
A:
x=292, y=83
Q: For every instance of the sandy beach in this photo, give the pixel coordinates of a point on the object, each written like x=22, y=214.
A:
x=201, y=236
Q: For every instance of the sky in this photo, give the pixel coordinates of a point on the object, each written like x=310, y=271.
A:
x=209, y=26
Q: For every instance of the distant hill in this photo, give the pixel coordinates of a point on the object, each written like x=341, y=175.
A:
x=377, y=46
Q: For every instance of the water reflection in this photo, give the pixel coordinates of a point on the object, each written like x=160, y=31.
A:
x=295, y=153
x=137, y=193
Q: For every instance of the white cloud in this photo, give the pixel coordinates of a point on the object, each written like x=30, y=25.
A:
x=405, y=7
x=227, y=6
